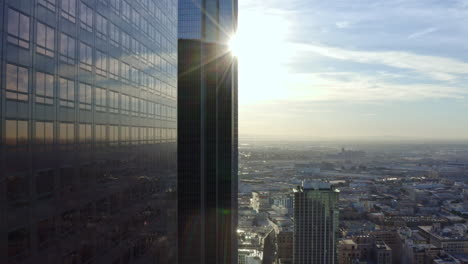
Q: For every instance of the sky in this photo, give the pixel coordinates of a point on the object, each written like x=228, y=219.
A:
x=360, y=69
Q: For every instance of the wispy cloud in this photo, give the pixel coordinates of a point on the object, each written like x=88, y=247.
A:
x=423, y=32
x=366, y=88
x=343, y=24
x=435, y=67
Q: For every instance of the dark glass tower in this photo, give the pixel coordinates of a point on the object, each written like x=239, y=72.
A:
x=88, y=131
x=315, y=223
x=207, y=125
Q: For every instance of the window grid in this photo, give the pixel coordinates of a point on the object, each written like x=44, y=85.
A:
x=101, y=26
x=101, y=99
x=69, y=10
x=44, y=133
x=44, y=88
x=66, y=133
x=45, y=36
x=50, y=4
x=114, y=33
x=101, y=63
x=113, y=102
x=85, y=96
x=84, y=133
x=17, y=82
x=86, y=17
x=16, y=132
x=18, y=29
x=114, y=68
x=67, y=49
x=67, y=93
x=86, y=57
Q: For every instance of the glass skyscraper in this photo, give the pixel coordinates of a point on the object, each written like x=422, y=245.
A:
x=88, y=131
x=207, y=132
x=315, y=223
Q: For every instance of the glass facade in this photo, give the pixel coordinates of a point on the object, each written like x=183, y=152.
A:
x=88, y=127
x=316, y=228
x=207, y=133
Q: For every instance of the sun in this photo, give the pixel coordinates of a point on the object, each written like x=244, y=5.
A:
x=234, y=45
x=262, y=51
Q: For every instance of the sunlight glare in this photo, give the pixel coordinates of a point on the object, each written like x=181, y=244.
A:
x=262, y=48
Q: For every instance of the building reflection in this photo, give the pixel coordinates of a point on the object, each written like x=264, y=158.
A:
x=88, y=126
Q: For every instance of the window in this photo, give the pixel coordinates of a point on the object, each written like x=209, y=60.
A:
x=135, y=133
x=86, y=17
x=113, y=133
x=84, y=133
x=100, y=99
x=135, y=47
x=66, y=133
x=143, y=107
x=100, y=133
x=44, y=88
x=85, y=96
x=113, y=68
x=45, y=232
x=125, y=133
x=67, y=49
x=114, y=34
x=44, y=134
x=86, y=56
x=134, y=75
x=101, y=63
x=18, y=29
x=135, y=18
x=45, y=183
x=134, y=103
x=125, y=71
x=45, y=40
x=16, y=132
x=125, y=42
x=69, y=10
x=125, y=104
x=67, y=93
x=125, y=11
x=113, y=102
x=17, y=80
x=101, y=26
x=115, y=5
x=50, y=4
x=18, y=242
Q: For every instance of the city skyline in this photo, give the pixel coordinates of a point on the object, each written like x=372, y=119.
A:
x=353, y=70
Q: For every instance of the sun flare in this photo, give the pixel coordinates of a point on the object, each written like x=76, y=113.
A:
x=262, y=48
x=234, y=45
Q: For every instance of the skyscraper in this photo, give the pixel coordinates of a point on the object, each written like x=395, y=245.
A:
x=88, y=131
x=207, y=132
x=315, y=223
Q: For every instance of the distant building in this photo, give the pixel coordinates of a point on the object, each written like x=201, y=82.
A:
x=348, y=252
x=315, y=223
x=260, y=201
x=382, y=253
x=285, y=247
x=452, y=239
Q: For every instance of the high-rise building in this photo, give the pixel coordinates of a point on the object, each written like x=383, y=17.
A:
x=88, y=131
x=315, y=223
x=207, y=132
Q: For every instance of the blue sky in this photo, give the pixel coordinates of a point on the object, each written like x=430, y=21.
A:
x=340, y=69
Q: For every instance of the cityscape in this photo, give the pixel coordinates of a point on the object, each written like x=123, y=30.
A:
x=233, y=132
x=381, y=202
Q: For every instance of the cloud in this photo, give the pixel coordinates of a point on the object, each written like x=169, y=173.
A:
x=343, y=24
x=423, y=32
x=357, y=87
x=437, y=68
